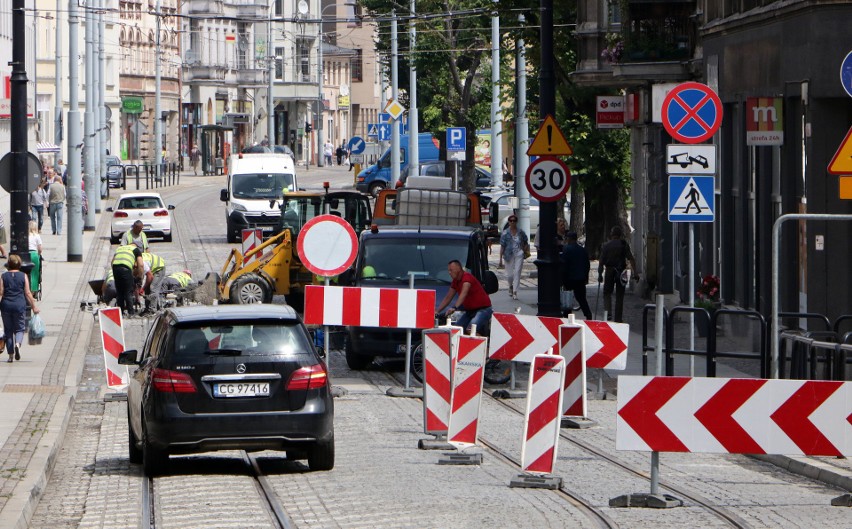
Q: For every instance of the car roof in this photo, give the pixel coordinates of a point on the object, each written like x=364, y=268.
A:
x=138, y=195
x=197, y=313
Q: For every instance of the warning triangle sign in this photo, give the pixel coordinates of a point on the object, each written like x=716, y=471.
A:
x=841, y=164
x=549, y=141
x=691, y=201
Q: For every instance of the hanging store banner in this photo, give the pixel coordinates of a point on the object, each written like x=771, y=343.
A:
x=764, y=121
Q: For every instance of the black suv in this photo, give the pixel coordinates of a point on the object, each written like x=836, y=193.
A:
x=227, y=378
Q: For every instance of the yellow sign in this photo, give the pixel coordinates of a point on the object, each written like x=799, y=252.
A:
x=549, y=141
x=841, y=164
x=846, y=187
x=394, y=109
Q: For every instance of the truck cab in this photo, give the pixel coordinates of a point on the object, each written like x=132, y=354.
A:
x=255, y=182
x=377, y=177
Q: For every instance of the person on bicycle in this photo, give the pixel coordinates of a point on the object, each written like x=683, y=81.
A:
x=472, y=299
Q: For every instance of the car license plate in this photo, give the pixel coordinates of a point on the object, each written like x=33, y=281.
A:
x=241, y=389
x=267, y=228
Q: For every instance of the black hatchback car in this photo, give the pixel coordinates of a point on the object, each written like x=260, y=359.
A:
x=228, y=377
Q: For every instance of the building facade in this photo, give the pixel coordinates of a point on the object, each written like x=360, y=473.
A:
x=773, y=62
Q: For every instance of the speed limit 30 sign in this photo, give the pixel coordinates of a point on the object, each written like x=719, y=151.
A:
x=548, y=179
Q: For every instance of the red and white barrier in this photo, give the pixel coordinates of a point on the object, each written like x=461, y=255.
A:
x=112, y=341
x=720, y=415
x=438, y=347
x=572, y=347
x=466, y=397
x=252, y=238
x=519, y=338
x=370, y=307
x=542, y=421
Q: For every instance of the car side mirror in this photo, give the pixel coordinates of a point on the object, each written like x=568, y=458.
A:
x=109, y=209
x=171, y=207
x=224, y=196
x=128, y=358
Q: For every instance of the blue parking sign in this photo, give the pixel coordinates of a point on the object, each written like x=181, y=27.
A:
x=456, y=138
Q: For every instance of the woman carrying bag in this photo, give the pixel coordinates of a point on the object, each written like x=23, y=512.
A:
x=514, y=248
x=14, y=296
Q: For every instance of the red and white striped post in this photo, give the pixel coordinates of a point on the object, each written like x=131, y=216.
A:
x=572, y=347
x=437, y=379
x=541, y=424
x=112, y=341
x=466, y=397
x=252, y=238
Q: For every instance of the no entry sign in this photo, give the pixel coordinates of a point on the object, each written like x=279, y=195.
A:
x=692, y=112
x=327, y=245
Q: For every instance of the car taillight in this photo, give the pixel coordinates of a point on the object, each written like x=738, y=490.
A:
x=172, y=381
x=119, y=215
x=311, y=377
x=161, y=213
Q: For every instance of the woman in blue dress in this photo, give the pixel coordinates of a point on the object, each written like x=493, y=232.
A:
x=14, y=296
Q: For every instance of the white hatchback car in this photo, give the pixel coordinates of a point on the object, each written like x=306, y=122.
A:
x=147, y=207
x=501, y=198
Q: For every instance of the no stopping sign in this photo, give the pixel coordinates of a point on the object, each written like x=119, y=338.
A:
x=327, y=245
x=548, y=179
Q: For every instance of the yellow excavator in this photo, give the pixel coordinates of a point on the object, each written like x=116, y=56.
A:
x=273, y=267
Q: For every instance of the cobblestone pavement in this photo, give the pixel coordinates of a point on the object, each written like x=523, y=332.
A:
x=381, y=479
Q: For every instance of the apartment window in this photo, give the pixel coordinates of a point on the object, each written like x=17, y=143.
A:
x=358, y=66
x=304, y=54
x=279, y=63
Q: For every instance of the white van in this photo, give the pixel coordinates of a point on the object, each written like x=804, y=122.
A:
x=256, y=184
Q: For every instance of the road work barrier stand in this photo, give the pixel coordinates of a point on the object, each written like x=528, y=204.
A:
x=439, y=345
x=572, y=347
x=251, y=238
x=541, y=423
x=112, y=342
x=653, y=498
x=408, y=391
x=468, y=372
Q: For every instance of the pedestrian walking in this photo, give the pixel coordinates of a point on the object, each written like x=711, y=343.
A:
x=328, y=150
x=14, y=296
x=127, y=265
x=340, y=153
x=472, y=298
x=514, y=248
x=136, y=236
x=56, y=204
x=3, y=238
x=615, y=255
x=194, y=155
x=575, y=275
x=38, y=199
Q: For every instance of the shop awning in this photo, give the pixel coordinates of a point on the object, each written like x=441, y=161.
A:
x=46, y=146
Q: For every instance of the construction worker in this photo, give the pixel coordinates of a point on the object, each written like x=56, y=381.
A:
x=136, y=236
x=177, y=280
x=127, y=264
x=155, y=272
x=108, y=291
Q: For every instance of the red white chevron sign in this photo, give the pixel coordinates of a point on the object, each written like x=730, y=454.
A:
x=112, y=341
x=541, y=424
x=468, y=372
x=731, y=415
x=370, y=307
x=519, y=338
x=438, y=346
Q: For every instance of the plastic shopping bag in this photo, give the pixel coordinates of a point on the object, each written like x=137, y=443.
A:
x=36, y=328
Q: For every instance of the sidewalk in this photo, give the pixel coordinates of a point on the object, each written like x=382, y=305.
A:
x=836, y=472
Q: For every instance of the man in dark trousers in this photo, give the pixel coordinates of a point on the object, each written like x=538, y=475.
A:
x=575, y=272
x=127, y=265
x=615, y=254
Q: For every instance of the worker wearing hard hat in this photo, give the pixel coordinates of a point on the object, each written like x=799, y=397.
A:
x=368, y=272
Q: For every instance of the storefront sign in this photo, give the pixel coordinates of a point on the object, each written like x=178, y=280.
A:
x=609, y=112
x=764, y=121
x=132, y=105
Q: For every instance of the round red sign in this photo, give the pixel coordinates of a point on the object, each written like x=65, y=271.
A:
x=327, y=245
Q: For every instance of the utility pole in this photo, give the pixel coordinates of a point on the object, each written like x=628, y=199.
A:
x=395, y=161
x=18, y=140
x=88, y=127
x=57, y=83
x=320, y=158
x=522, y=161
x=158, y=136
x=102, y=108
x=548, y=258
x=270, y=107
x=75, y=140
x=95, y=189
x=35, y=76
x=413, y=119
x=496, y=123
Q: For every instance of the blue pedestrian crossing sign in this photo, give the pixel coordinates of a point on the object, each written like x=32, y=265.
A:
x=691, y=199
x=384, y=132
x=357, y=145
x=372, y=129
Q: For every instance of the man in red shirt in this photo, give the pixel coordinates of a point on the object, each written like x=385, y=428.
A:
x=472, y=300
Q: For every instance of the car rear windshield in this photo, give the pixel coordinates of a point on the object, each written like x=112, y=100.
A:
x=140, y=203
x=395, y=258
x=241, y=338
x=262, y=185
